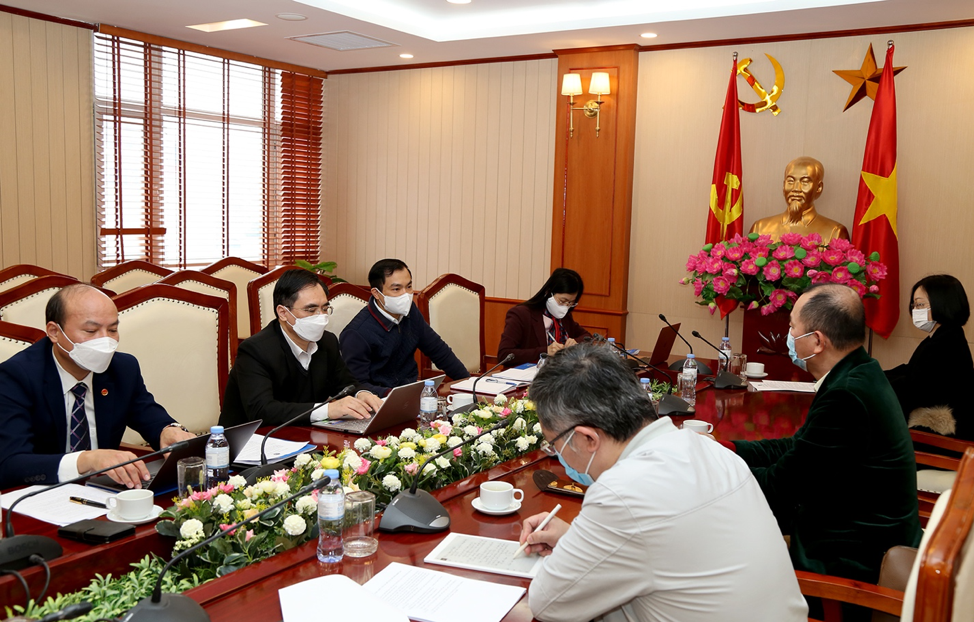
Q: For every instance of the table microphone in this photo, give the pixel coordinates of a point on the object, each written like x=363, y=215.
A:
x=15, y=551
x=266, y=470
x=723, y=379
x=669, y=404
x=505, y=360
x=678, y=366
x=419, y=511
x=180, y=608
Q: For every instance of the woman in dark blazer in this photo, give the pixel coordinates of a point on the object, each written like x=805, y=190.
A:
x=934, y=387
x=543, y=324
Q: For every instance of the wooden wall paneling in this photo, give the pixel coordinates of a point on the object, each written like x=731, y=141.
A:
x=56, y=233
x=9, y=225
x=74, y=217
x=23, y=113
x=40, y=148
x=592, y=203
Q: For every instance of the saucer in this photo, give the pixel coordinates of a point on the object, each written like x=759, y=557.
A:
x=764, y=375
x=477, y=505
x=156, y=511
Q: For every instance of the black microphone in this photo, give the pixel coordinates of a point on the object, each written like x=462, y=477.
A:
x=168, y=607
x=473, y=389
x=724, y=379
x=15, y=551
x=669, y=404
x=419, y=511
x=68, y=613
x=265, y=470
x=677, y=366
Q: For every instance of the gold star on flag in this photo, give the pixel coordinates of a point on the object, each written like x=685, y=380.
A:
x=884, y=198
x=865, y=80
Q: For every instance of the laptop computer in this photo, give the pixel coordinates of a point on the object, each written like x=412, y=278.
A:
x=401, y=405
x=165, y=477
x=664, y=345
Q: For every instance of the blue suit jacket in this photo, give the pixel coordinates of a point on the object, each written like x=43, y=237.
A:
x=33, y=422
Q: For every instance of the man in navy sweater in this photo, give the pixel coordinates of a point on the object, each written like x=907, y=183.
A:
x=379, y=344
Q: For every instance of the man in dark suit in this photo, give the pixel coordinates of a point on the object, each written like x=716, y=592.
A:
x=66, y=400
x=844, y=486
x=293, y=363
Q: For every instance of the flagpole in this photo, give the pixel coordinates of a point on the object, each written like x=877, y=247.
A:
x=869, y=348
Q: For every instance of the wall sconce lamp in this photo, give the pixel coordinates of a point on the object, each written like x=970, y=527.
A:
x=571, y=86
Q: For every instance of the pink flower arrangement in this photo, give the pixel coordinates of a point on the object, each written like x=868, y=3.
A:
x=363, y=468
x=766, y=275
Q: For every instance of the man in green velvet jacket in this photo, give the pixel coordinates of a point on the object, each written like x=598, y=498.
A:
x=844, y=486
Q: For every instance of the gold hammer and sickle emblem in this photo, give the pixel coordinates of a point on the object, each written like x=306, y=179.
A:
x=767, y=99
x=729, y=213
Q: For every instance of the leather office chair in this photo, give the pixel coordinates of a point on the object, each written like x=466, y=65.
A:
x=346, y=300
x=14, y=338
x=180, y=338
x=239, y=272
x=19, y=274
x=454, y=308
x=128, y=275
x=25, y=304
x=197, y=281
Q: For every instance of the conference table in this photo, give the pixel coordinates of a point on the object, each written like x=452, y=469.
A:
x=251, y=593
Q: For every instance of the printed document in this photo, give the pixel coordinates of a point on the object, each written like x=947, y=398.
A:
x=484, y=554
x=55, y=507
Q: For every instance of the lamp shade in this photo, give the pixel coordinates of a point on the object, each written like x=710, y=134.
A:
x=600, y=83
x=571, y=84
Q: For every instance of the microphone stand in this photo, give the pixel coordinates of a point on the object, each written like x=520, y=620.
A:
x=724, y=379
x=168, y=607
x=669, y=404
x=701, y=367
x=417, y=510
x=473, y=389
x=15, y=551
x=266, y=470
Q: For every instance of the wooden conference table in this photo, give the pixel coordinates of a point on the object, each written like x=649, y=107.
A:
x=250, y=594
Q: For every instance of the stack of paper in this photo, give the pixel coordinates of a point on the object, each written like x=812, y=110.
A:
x=780, y=385
x=276, y=450
x=516, y=374
x=487, y=386
x=55, y=507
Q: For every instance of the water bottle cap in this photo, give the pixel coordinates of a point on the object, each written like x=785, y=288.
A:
x=725, y=338
x=644, y=380
x=217, y=429
x=691, y=356
x=334, y=474
x=428, y=383
x=611, y=340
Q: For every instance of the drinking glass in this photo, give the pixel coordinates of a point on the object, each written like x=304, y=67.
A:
x=191, y=474
x=358, y=535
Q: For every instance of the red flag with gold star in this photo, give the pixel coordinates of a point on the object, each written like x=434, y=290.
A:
x=726, y=217
x=874, y=226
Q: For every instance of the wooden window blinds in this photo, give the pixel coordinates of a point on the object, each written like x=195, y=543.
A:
x=201, y=157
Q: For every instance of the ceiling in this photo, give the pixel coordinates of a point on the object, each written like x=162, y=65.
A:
x=437, y=31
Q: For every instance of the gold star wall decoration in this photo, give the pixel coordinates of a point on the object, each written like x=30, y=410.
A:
x=865, y=80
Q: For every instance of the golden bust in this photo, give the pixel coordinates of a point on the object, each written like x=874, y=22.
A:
x=804, y=178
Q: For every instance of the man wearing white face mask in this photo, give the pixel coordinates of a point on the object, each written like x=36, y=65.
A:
x=844, y=486
x=66, y=400
x=379, y=344
x=293, y=363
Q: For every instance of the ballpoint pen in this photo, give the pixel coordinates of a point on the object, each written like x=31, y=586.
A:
x=544, y=523
x=83, y=501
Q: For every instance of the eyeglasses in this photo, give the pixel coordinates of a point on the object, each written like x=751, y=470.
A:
x=919, y=305
x=315, y=310
x=549, y=447
x=564, y=303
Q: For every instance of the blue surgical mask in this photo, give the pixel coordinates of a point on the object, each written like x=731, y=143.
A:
x=582, y=478
x=800, y=362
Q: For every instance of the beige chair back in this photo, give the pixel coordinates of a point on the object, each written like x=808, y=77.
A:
x=260, y=296
x=346, y=300
x=14, y=338
x=200, y=282
x=19, y=274
x=128, y=275
x=239, y=272
x=26, y=303
x=180, y=338
x=454, y=308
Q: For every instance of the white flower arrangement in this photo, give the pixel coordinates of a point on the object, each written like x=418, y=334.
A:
x=432, y=446
x=522, y=444
x=407, y=434
x=363, y=445
x=470, y=430
x=519, y=407
x=485, y=449
x=442, y=462
x=519, y=424
x=391, y=483
x=453, y=441
x=537, y=428
x=531, y=438
x=487, y=439
x=406, y=453
x=352, y=461
x=295, y=525
x=486, y=413
x=500, y=399
x=301, y=460
x=244, y=504
x=458, y=420
x=429, y=468
x=237, y=482
x=393, y=441
x=266, y=487
x=306, y=505
x=317, y=474
x=191, y=530
x=281, y=489
x=223, y=503
x=380, y=453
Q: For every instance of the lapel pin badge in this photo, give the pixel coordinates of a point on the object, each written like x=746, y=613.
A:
x=104, y=392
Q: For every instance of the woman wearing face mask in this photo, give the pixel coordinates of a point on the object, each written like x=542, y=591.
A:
x=932, y=387
x=543, y=324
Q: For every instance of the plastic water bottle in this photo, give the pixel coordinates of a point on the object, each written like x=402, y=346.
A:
x=331, y=518
x=217, y=457
x=427, y=403
x=612, y=345
x=688, y=389
x=647, y=387
x=725, y=346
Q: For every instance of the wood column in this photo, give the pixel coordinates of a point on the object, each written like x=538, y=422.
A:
x=592, y=212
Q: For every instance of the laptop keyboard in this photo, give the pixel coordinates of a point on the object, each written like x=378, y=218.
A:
x=352, y=425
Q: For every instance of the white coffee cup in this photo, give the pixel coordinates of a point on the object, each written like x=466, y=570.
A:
x=499, y=495
x=132, y=504
x=456, y=400
x=700, y=427
x=754, y=369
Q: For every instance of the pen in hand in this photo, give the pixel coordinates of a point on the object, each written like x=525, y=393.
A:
x=83, y=501
x=544, y=523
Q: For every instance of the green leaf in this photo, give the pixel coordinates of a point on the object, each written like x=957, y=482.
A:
x=167, y=528
x=800, y=253
x=707, y=248
x=761, y=262
x=752, y=236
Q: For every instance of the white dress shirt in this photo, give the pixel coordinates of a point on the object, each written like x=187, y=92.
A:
x=68, y=466
x=304, y=359
x=677, y=530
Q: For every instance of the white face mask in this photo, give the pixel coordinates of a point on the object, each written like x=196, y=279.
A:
x=398, y=305
x=555, y=309
x=921, y=319
x=94, y=355
x=310, y=328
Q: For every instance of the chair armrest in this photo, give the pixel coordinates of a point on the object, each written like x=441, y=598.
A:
x=848, y=591
x=943, y=442
x=935, y=460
